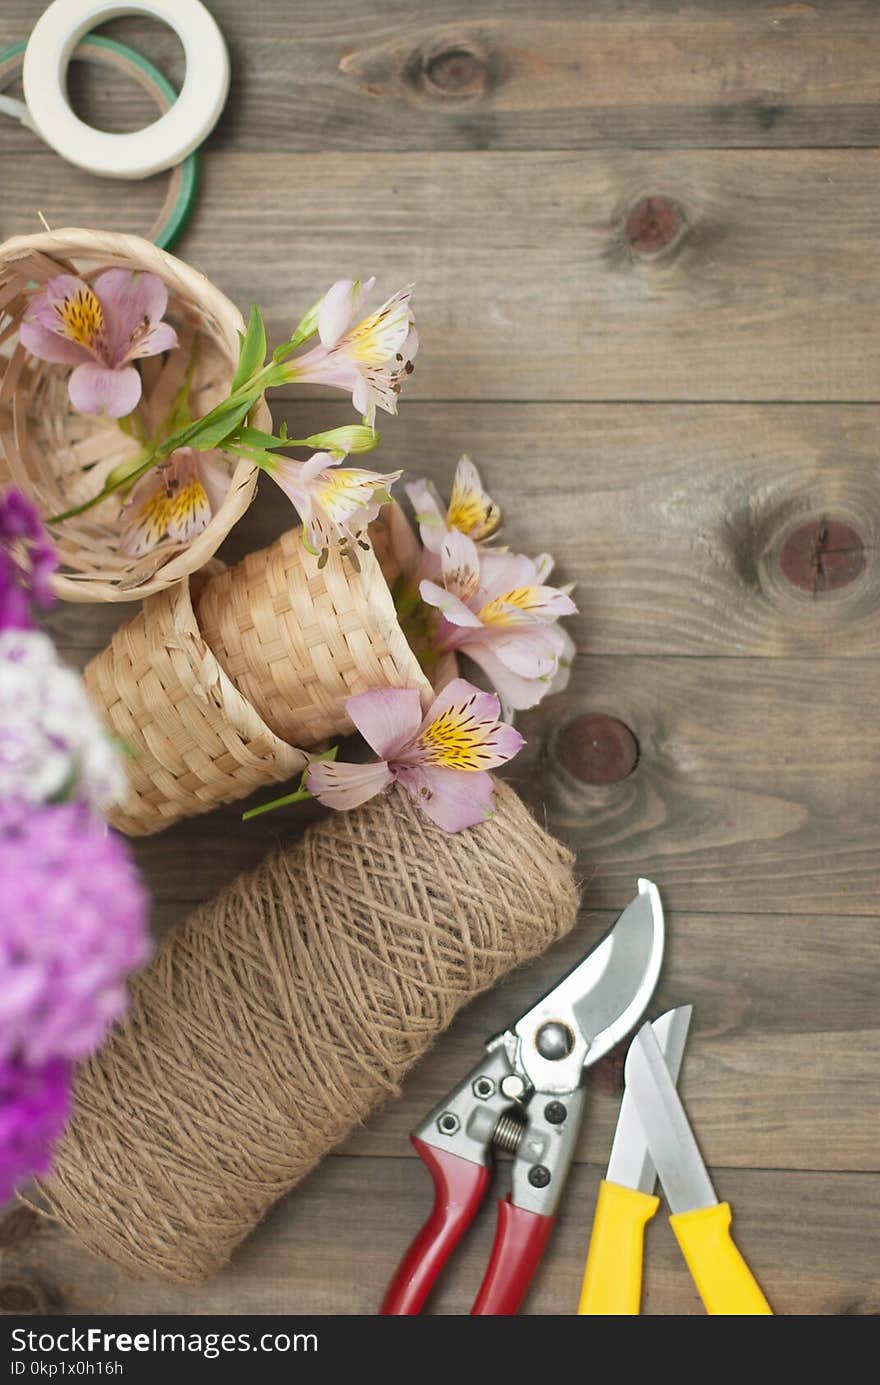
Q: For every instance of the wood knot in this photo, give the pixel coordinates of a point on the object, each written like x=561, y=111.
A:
x=822, y=556
x=17, y=1296
x=17, y=1226
x=598, y=749
x=653, y=226
x=456, y=72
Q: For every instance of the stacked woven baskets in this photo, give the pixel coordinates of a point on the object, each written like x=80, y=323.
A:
x=222, y=681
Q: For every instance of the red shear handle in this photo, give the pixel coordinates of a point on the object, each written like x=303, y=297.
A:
x=459, y=1188
x=520, y=1238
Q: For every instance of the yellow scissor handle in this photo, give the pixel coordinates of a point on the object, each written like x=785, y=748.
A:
x=613, y=1275
x=723, y=1279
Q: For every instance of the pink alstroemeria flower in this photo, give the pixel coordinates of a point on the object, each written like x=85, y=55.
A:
x=371, y=358
x=100, y=328
x=175, y=500
x=441, y=759
x=335, y=503
x=497, y=608
x=471, y=509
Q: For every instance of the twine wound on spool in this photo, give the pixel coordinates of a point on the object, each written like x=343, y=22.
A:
x=279, y=1015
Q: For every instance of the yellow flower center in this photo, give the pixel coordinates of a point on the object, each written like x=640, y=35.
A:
x=473, y=514
x=184, y=505
x=154, y=516
x=495, y=612
x=82, y=318
x=456, y=740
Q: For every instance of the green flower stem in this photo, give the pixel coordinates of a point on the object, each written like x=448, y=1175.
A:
x=298, y=796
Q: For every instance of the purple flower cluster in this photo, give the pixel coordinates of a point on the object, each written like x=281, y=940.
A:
x=34, y=1105
x=72, y=910
x=71, y=930
x=27, y=562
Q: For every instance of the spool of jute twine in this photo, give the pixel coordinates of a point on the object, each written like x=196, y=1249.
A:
x=277, y=1017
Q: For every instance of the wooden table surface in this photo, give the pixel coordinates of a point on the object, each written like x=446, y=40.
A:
x=644, y=239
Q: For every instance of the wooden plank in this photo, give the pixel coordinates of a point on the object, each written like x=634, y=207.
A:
x=528, y=285
x=361, y=75
x=681, y=516
x=782, y=1058
x=753, y=791
x=333, y=1246
x=521, y=297
x=781, y=1065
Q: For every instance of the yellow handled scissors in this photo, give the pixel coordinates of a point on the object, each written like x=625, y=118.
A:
x=654, y=1136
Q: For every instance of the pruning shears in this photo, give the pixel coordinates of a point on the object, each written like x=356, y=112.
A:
x=526, y=1096
x=654, y=1137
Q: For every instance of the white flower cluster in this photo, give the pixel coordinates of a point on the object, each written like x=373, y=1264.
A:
x=52, y=744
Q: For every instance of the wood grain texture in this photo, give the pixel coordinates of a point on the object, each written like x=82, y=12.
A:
x=399, y=74
x=527, y=286
x=333, y=1247
x=756, y=789
x=623, y=222
x=670, y=520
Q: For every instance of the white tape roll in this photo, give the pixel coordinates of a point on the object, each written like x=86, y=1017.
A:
x=158, y=146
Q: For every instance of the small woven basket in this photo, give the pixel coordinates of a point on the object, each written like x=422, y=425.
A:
x=298, y=639
x=195, y=741
x=61, y=458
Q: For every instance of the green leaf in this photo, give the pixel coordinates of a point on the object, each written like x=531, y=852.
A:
x=254, y=437
x=214, y=428
x=253, y=349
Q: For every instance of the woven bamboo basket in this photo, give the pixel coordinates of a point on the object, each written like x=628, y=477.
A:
x=61, y=458
x=298, y=639
x=195, y=741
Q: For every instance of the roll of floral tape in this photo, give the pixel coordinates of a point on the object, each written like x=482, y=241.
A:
x=176, y=133
x=184, y=180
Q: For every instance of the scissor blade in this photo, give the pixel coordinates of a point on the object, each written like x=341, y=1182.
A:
x=630, y=1163
x=602, y=998
x=666, y=1127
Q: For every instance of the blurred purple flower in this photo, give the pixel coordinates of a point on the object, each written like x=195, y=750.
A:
x=72, y=926
x=34, y=1104
x=27, y=562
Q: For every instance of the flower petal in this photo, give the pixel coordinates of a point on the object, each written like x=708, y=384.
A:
x=154, y=340
x=216, y=477
x=462, y=731
x=514, y=691
x=471, y=509
x=453, y=609
x=460, y=565
x=337, y=308
x=133, y=302
x=47, y=345
x=525, y=651
x=378, y=338
x=189, y=509
x=70, y=308
x=96, y=389
x=429, y=513
x=387, y=718
x=527, y=604
x=451, y=799
x=145, y=515
x=347, y=786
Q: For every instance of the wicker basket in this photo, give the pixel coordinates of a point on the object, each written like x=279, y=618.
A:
x=195, y=741
x=60, y=457
x=297, y=639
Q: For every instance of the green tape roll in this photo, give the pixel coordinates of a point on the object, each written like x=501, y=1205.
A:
x=184, y=184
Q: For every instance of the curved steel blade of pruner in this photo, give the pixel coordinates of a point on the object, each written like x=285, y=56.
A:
x=597, y=1003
